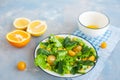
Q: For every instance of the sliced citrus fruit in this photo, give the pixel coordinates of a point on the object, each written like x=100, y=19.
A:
x=18, y=38
x=21, y=23
x=37, y=28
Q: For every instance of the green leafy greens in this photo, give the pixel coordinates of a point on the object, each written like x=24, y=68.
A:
x=60, y=47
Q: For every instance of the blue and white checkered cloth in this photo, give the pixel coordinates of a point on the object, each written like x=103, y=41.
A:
x=94, y=41
x=112, y=37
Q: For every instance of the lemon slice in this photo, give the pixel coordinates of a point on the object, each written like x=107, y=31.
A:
x=37, y=28
x=21, y=23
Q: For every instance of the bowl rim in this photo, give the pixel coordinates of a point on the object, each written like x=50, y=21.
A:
x=76, y=75
x=94, y=28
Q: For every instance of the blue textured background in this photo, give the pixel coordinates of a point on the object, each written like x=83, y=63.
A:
x=61, y=17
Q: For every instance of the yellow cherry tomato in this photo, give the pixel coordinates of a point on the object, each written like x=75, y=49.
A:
x=103, y=45
x=51, y=59
x=77, y=49
x=71, y=53
x=21, y=65
x=91, y=58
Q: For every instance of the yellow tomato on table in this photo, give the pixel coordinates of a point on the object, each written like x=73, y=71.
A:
x=21, y=66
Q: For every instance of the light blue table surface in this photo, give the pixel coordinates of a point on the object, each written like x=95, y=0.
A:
x=61, y=17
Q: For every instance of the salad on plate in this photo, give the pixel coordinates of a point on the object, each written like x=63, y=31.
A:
x=65, y=55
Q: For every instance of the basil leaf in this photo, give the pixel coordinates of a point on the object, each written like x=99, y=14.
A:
x=68, y=44
x=42, y=51
x=60, y=67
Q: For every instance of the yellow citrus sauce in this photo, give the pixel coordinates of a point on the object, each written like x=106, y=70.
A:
x=93, y=26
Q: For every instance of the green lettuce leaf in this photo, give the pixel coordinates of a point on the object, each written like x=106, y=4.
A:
x=40, y=61
x=55, y=41
x=61, y=54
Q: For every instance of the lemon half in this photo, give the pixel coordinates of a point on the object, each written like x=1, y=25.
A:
x=37, y=28
x=21, y=23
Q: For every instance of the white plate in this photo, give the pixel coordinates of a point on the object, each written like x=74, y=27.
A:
x=65, y=75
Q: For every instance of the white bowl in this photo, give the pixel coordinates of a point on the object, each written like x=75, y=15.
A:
x=93, y=18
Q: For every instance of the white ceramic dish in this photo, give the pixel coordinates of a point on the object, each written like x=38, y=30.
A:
x=66, y=75
x=93, y=18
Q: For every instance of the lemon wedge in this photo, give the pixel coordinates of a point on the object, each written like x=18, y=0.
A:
x=37, y=28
